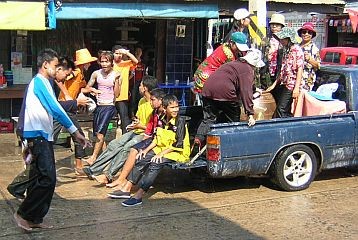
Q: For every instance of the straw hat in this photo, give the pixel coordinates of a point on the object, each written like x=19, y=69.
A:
x=83, y=56
x=240, y=40
x=307, y=26
x=241, y=13
x=278, y=18
x=253, y=57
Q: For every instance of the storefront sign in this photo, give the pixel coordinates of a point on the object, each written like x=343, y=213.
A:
x=22, y=16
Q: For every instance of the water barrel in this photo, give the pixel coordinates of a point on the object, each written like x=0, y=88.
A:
x=9, y=76
x=264, y=107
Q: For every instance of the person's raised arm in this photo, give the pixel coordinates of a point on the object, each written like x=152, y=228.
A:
x=131, y=56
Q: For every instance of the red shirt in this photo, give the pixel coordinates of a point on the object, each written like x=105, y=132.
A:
x=156, y=120
x=221, y=55
x=139, y=71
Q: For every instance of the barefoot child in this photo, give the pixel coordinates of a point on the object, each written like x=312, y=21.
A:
x=109, y=86
x=171, y=143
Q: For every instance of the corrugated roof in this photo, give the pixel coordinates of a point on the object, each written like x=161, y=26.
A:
x=310, y=1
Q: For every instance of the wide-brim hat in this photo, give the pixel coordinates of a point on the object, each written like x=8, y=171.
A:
x=287, y=32
x=254, y=58
x=307, y=26
x=325, y=92
x=241, y=13
x=83, y=56
x=278, y=18
x=240, y=40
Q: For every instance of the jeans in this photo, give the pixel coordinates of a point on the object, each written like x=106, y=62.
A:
x=41, y=181
x=217, y=112
x=145, y=172
x=283, y=98
x=115, y=155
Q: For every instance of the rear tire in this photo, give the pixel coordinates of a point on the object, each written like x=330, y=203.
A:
x=294, y=168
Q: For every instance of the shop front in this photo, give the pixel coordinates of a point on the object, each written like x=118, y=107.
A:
x=166, y=32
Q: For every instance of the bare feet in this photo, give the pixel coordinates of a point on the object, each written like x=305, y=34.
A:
x=40, y=225
x=101, y=179
x=90, y=160
x=117, y=182
x=22, y=223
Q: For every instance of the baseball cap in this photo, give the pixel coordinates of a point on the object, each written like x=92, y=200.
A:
x=240, y=40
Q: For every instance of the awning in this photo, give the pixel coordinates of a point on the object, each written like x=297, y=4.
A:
x=310, y=1
x=22, y=16
x=135, y=10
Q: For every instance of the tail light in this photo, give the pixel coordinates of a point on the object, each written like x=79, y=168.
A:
x=213, y=148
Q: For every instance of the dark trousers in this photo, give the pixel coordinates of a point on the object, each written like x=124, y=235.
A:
x=22, y=181
x=145, y=172
x=217, y=112
x=122, y=109
x=79, y=150
x=41, y=181
x=283, y=98
x=135, y=97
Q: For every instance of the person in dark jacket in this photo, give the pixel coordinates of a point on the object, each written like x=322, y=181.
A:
x=223, y=91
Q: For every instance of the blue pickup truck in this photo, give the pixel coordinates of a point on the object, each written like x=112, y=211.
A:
x=291, y=150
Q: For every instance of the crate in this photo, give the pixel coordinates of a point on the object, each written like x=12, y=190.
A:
x=6, y=127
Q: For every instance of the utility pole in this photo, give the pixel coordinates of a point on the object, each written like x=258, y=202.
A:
x=257, y=28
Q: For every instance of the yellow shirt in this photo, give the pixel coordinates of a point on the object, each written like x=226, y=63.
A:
x=165, y=138
x=124, y=68
x=73, y=84
x=144, y=112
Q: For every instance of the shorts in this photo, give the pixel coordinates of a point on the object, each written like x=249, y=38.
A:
x=101, y=118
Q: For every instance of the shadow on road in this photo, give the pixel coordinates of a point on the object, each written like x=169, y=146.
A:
x=176, y=218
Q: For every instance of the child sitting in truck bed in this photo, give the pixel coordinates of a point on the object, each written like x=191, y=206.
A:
x=171, y=143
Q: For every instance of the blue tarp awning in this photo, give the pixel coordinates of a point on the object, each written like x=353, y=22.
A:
x=135, y=10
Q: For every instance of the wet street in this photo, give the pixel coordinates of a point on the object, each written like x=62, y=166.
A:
x=187, y=205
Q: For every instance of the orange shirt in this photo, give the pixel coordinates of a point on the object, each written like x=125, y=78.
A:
x=124, y=67
x=73, y=84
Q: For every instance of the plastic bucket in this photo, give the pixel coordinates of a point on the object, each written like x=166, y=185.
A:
x=9, y=76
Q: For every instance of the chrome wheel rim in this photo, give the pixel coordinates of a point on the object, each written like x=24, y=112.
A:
x=297, y=168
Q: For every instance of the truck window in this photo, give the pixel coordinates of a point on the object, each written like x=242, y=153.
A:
x=332, y=57
x=349, y=60
x=324, y=77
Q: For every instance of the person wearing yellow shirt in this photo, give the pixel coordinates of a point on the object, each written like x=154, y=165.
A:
x=118, y=149
x=124, y=67
x=170, y=144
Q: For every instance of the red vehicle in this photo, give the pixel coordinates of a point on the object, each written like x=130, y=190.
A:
x=339, y=55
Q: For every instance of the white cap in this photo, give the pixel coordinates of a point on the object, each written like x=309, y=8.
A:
x=241, y=13
x=253, y=57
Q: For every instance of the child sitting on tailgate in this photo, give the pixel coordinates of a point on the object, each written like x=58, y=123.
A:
x=171, y=143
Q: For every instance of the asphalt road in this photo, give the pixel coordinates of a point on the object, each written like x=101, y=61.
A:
x=187, y=205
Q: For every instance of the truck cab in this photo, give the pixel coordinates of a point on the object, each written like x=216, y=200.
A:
x=339, y=55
